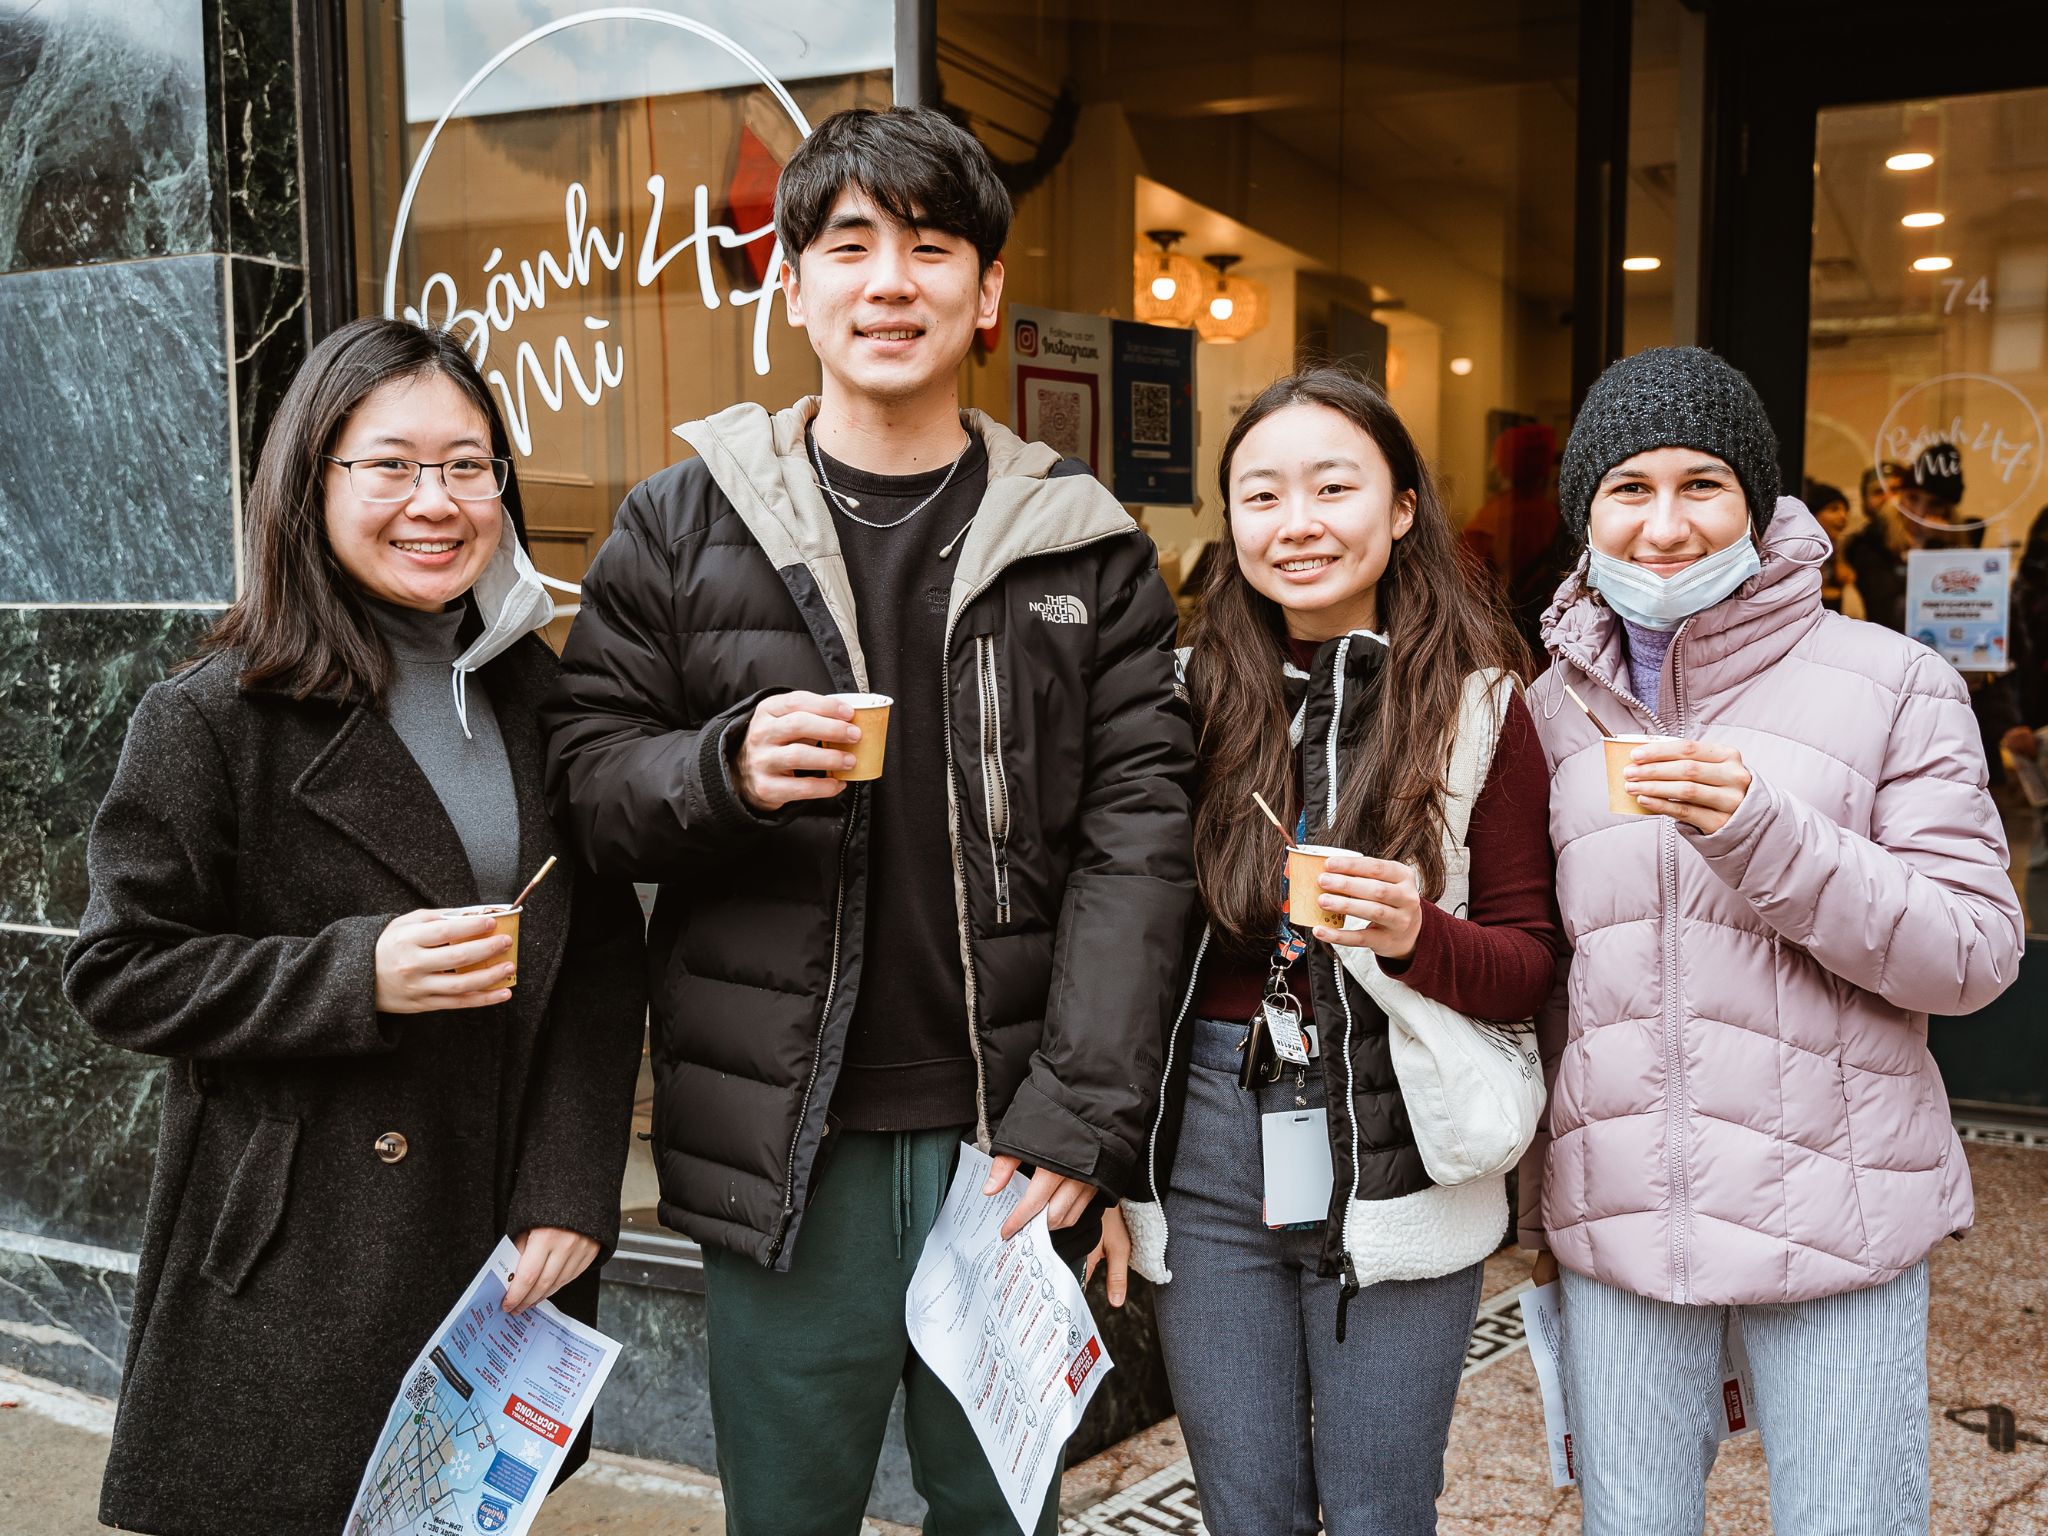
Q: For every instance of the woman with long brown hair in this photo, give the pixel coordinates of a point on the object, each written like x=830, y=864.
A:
x=1346, y=669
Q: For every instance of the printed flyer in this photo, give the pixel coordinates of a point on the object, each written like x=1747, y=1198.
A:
x=485, y=1418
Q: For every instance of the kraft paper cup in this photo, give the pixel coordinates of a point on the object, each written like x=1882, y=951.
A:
x=1305, y=909
x=871, y=714
x=508, y=924
x=1618, y=748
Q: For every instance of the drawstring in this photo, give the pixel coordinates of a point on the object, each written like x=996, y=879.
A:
x=462, y=702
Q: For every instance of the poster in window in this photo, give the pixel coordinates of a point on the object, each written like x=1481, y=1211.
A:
x=1152, y=390
x=1957, y=602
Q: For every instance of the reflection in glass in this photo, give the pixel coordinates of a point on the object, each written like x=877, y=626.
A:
x=1927, y=377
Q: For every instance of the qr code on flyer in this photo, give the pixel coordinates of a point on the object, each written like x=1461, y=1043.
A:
x=1056, y=410
x=1152, y=415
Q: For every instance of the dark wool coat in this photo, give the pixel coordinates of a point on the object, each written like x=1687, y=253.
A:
x=1066, y=807
x=251, y=850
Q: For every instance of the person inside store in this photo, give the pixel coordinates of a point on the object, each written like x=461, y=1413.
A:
x=1745, y=1127
x=852, y=977
x=1830, y=508
x=1314, y=1363
x=366, y=1092
x=2025, y=740
x=1916, y=515
x=1880, y=485
x=1514, y=525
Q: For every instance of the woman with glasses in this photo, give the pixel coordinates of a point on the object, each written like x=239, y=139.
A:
x=365, y=1093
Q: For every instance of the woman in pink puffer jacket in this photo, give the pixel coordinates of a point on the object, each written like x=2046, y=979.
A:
x=1744, y=1118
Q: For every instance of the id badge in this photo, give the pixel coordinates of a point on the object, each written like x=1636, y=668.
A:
x=1299, y=1173
x=1283, y=1028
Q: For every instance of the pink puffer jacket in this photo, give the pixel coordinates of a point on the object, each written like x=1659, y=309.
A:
x=1743, y=1108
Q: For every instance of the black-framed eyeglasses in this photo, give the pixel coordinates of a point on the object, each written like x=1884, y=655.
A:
x=470, y=478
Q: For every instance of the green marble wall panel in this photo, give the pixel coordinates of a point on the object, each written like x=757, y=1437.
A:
x=114, y=434
x=78, y=1119
x=69, y=679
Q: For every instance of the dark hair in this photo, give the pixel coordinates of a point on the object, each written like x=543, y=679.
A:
x=913, y=163
x=1820, y=494
x=1442, y=624
x=300, y=624
x=1890, y=469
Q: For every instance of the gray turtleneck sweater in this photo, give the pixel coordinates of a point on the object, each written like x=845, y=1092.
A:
x=471, y=775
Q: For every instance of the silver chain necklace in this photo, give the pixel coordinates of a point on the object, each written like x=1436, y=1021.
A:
x=846, y=503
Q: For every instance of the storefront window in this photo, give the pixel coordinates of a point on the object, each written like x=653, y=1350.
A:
x=591, y=197
x=590, y=200
x=1927, y=376
x=1398, y=181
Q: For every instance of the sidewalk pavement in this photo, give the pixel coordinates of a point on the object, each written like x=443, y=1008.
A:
x=1987, y=1372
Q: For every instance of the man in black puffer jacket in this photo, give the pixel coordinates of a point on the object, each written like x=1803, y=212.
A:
x=851, y=979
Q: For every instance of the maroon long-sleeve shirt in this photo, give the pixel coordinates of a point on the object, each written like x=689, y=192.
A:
x=1498, y=962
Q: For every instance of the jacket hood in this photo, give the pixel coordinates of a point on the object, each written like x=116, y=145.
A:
x=1754, y=626
x=757, y=459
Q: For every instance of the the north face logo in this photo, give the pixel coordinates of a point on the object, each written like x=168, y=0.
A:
x=1057, y=608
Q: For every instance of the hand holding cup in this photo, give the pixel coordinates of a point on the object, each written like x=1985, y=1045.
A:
x=428, y=962
x=1700, y=783
x=1383, y=893
x=793, y=741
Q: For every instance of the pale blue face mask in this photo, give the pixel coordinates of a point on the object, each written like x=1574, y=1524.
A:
x=1655, y=602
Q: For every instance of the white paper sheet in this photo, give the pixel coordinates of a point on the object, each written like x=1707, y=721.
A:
x=1734, y=1414
x=1006, y=1328
x=484, y=1418
x=1545, y=1333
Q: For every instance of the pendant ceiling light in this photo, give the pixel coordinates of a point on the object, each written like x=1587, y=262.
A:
x=1232, y=307
x=1169, y=287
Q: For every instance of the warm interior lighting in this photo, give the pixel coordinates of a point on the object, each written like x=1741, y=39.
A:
x=1640, y=264
x=1933, y=264
x=1168, y=287
x=1461, y=366
x=1235, y=306
x=1923, y=220
x=1911, y=160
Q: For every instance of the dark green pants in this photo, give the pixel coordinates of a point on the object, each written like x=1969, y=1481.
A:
x=804, y=1365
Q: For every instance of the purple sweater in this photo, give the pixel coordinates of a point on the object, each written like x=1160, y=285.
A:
x=1647, y=649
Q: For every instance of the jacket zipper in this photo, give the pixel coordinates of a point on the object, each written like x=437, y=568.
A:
x=1343, y=1002
x=1166, y=1075
x=981, y=1127
x=824, y=1019
x=1676, y=1111
x=1680, y=1112
x=995, y=788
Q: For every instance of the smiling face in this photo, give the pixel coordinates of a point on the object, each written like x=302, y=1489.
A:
x=890, y=310
x=428, y=550
x=1314, y=515
x=1667, y=507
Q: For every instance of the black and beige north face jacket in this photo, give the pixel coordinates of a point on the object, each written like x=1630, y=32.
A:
x=1066, y=803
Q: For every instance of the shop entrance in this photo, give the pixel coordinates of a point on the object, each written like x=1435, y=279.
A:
x=1878, y=265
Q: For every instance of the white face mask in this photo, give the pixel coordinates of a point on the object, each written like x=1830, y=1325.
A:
x=513, y=599
x=1655, y=602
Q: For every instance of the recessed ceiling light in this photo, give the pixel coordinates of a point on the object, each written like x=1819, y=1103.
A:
x=1923, y=220
x=1640, y=263
x=1461, y=366
x=1933, y=264
x=1911, y=160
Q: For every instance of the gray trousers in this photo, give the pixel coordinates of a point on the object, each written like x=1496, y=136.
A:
x=1280, y=1418
x=1841, y=1402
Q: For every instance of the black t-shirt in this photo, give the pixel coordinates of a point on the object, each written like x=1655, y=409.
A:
x=909, y=1065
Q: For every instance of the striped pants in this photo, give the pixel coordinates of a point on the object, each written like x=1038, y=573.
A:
x=1841, y=1402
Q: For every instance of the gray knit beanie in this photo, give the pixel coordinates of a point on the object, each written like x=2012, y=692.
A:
x=1670, y=397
